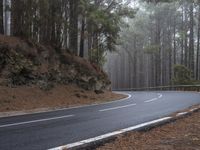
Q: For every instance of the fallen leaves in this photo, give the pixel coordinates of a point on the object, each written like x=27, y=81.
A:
x=183, y=134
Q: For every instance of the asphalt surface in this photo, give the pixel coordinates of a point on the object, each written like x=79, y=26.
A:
x=51, y=129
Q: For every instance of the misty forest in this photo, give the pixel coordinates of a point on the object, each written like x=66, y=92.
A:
x=139, y=43
x=158, y=47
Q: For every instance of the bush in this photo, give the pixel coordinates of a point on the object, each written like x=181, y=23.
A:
x=20, y=69
x=182, y=75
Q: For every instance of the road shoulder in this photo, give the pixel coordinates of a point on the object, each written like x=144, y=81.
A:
x=181, y=133
x=31, y=101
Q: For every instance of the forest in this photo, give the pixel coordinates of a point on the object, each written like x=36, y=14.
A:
x=87, y=28
x=158, y=47
x=139, y=43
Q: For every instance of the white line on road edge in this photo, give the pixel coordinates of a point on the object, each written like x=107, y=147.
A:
x=119, y=107
x=181, y=114
x=83, y=106
x=194, y=109
x=110, y=134
x=34, y=121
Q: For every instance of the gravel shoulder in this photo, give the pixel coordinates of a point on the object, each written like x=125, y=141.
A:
x=183, y=134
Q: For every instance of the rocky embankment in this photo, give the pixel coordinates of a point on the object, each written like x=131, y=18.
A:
x=23, y=62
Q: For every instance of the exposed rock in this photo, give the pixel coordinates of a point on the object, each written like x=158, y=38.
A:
x=99, y=91
x=23, y=62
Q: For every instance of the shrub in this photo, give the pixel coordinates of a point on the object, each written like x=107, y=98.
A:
x=182, y=75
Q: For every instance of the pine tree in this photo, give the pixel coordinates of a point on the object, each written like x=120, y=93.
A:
x=198, y=47
x=1, y=17
x=73, y=26
x=6, y=16
x=191, y=40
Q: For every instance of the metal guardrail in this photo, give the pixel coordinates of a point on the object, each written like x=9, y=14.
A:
x=166, y=88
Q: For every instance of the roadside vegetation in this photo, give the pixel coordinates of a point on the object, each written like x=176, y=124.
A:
x=52, y=52
x=36, y=76
x=60, y=53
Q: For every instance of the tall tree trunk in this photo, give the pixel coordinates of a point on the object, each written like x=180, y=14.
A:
x=6, y=16
x=174, y=52
x=182, y=38
x=135, y=62
x=186, y=39
x=17, y=18
x=158, y=55
x=73, y=29
x=191, y=41
x=1, y=17
x=198, y=48
x=82, y=39
x=66, y=29
x=170, y=56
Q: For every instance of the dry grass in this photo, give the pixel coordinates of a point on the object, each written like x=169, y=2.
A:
x=31, y=97
x=184, y=134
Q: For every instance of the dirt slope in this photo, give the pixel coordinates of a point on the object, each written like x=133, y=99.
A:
x=62, y=96
x=37, y=76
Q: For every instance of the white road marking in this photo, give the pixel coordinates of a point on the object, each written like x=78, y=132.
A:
x=194, y=109
x=125, y=106
x=154, y=99
x=74, y=107
x=151, y=100
x=34, y=121
x=181, y=114
x=72, y=145
x=83, y=106
x=160, y=95
x=119, y=107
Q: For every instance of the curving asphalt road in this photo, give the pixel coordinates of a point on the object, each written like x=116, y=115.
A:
x=51, y=129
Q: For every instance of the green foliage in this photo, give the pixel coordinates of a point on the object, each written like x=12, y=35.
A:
x=182, y=34
x=182, y=75
x=104, y=22
x=55, y=22
x=152, y=49
x=107, y=24
x=197, y=82
x=98, y=57
x=20, y=69
x=20, y=65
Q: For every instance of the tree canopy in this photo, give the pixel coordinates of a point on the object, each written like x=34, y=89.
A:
x=87, y=28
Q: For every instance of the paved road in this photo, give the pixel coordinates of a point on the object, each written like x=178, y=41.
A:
x=47, y=130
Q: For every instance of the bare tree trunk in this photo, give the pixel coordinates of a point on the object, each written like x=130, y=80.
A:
x=174, y=52
x=158, y=55
x=191, y=41
x=135, y=63
x=198, y=48
x=6, y=16
x=81, y=54
x=182, y=38
x=1, y=17
x=186, y=38
x=73, y=30
x=170, y=56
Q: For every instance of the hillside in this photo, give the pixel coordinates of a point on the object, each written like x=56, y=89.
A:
x=23, y=62
x=33, y=75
